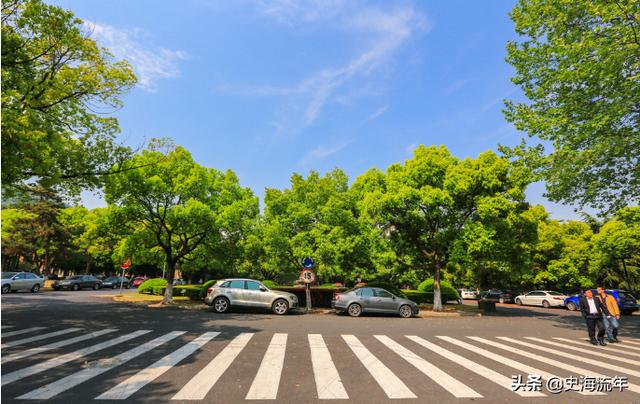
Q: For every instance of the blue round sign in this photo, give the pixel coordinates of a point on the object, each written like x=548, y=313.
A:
x=308, y=262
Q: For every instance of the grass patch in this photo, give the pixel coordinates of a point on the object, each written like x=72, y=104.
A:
x=451, y=307
x=139, y=298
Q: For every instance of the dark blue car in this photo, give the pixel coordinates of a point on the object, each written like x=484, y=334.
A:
x=626, y=301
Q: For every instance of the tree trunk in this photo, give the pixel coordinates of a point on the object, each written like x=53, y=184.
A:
x=437, y=295
x=171, y=269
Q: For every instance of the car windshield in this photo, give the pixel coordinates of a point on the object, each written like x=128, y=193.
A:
x=8, y=275
x=111, y=279
x=555, y=294
x=72, y=278
x=621, y=294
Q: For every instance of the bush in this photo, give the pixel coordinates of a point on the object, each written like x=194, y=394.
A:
x=193, y=292
x=448, y=292
x=148, y=285
x=205, y=287
x=269, y=284
x=388, y=286
x=418, y=296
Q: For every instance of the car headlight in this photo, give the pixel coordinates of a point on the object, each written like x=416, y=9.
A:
x=294, y=298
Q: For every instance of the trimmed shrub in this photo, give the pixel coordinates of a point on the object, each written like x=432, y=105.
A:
x=205, y=287
x=418, y=296
x=193, y=292
x=448, y=292
x=270, y=284
x=148, y=285
x=320, y=297
x=388, y=286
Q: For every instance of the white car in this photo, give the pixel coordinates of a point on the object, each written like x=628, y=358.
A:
x=468, y=294
x=544, y=298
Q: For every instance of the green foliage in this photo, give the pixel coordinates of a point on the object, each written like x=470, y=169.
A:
x=448, y=291
x=269, y=284
x=205, y=287
x=148, y=285
x=193, y=292
x=419, y=296
x=57, y=84
x=578, y=63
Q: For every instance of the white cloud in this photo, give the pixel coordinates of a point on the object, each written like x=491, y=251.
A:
x=455, y=86
x=150, y=62
x=377, y=113
x=322, y=152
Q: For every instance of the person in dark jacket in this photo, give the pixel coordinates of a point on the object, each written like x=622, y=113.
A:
x=592, y=311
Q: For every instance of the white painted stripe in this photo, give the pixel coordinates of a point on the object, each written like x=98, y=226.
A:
x=507, y=361
x=26, y=330
x=328, y=383
x=39, y=337
x=562, y=365
x=627, y=344
x=61, y=360
x=125, y=389
x=4, y=327
x=198, y=387
x=619, y=345
x=483, y=371
x=584, y=359
x=104, y=365
x=600, y=351
x=453, y=386
x=265, y=384
x=388, y=381
x=55, y=345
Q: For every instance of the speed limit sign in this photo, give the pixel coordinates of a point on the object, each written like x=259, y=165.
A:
x=307, y=276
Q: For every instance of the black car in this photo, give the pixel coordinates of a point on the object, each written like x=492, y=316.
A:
x=78, y=282
x=502, y=296
x=115, y=281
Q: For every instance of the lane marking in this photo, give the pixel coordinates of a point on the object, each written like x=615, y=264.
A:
x=59, y=344
x=574, y=357
x=125, y=389
x=388, y=381
x=4, y=327
x=592, y=352
x=26, y=330
x=198, y=387
x=483, y=371
x=328, y=383
x=563, y=365
x=38, y=337
x=265, y=384
x=452, y=385
x=614, y=345
x=104, y=365
x=509, y=362
x=61, y=360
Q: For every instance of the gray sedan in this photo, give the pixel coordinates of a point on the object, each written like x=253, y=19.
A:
x=14, y=281
x=373, y=300
x=248, y=293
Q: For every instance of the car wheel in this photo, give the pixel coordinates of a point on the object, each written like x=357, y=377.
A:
x=354, y=310
x=114, y=286
x=571, y=306
x=221, y=305
x=519, y=302
x=280, y=307
x=405, y=311
x=35, y=288
x=6, y=289
x=501, y=300
x=545, y=304
x=76, y=287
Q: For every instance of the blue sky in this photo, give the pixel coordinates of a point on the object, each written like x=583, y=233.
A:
x=268, y=88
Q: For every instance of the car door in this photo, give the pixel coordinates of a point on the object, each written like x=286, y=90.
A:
x=536, y=298
x=365, y=297
x=32, y=280
x=19, y=281
x=384, y=301
x=254, y=296
x=234, y=292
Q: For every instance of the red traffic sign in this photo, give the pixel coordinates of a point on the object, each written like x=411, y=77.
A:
x=126, y=264
x=307, y=276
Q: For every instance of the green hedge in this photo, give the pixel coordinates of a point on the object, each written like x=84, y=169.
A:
x=418, y=296
x=269, y=284
x=448, y=292
x=205, y=287
x=193, y=292
x=148, y=285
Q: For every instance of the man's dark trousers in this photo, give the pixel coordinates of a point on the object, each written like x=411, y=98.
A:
x=595, y=321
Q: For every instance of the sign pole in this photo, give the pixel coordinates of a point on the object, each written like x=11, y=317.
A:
x=308, y=276
x=308, y=296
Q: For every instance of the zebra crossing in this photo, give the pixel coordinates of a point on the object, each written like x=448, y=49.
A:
x=36, y=351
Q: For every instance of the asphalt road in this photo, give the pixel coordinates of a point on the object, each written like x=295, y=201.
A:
x=90, y=347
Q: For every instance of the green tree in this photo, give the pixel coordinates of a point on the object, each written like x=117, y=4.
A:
x=437, y=209
x=176, y=206
x=57, y=86
x=578, y=63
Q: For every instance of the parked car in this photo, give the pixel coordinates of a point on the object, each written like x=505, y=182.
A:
x=626, y=301
x=248, y=293
x=15, y=281
x=544, y=298
x=115, y=281
x=372, y=300
x=78, y=282
x=137, y=281
x=468, y=294
x=502, y=296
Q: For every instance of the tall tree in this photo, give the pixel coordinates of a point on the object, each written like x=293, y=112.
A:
x=578, y=63
x=435, y=207
x=177, y=206
x=57, y=86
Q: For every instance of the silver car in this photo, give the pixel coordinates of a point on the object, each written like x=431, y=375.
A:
x=248, y=293
x=373, y=300
x=14, y=281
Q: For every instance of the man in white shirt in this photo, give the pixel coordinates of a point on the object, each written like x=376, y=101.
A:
x=592, y=311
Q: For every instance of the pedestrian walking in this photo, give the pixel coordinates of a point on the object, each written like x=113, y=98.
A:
x=592, y=311
x=610, y=321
